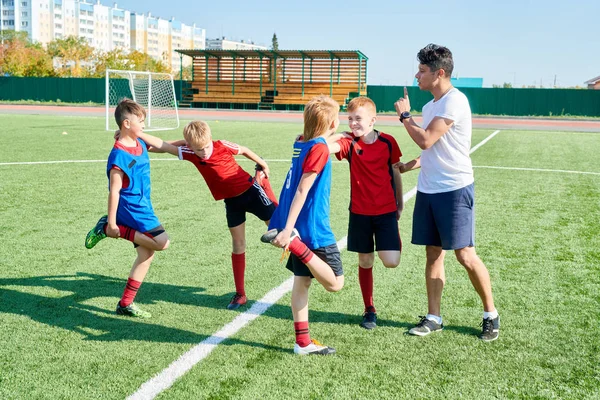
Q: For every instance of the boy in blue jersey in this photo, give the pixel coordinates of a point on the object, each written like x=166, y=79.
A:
x=301, y=221
x=130, y=212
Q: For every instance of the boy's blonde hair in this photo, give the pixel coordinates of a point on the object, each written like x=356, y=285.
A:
x=126, y=108
x=319, y=113
x=362, y=101
x=197, y=133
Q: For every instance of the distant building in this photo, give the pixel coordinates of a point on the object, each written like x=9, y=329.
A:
x=462, y=82
x=593, y=83
x=226, y=44
x=105, y=28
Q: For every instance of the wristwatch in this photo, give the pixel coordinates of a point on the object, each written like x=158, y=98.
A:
x=405, y=115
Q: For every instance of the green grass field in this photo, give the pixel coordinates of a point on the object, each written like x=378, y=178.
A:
x=537, y=231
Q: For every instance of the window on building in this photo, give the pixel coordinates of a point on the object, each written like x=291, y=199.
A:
x=23, y=13
x=24, y=23
x=24, y=3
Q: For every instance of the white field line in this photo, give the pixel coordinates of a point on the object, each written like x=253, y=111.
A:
x=165, y=379
x=563, y=171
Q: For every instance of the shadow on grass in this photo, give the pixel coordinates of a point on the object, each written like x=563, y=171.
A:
x=94, y=323
x=69, y=312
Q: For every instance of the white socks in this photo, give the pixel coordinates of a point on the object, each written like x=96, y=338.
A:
x=490, y=314
x=434, y=318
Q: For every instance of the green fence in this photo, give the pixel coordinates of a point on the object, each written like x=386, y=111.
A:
x=543, y=102
x=500, y=101
x=66, y=90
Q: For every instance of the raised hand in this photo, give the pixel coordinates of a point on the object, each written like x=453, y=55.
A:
x=403, y=103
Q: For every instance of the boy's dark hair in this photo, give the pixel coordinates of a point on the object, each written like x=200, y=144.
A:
x=436, y=57
x=126, y=108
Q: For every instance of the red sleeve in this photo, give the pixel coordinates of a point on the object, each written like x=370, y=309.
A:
x=316, y=158
x=186, y=153
x=344, y=148
x=396, y=153
x=231, y=147
x=125, y=177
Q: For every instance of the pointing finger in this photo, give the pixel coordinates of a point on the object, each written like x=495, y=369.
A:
x=405, y=93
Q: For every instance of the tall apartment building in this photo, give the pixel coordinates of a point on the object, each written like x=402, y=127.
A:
x=104, y=27
x=159, y=38
x=227, y=44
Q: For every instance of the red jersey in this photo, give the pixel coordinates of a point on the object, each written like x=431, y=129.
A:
x=224, y=177
x=372, y=188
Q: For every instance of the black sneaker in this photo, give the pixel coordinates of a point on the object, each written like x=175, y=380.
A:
x=490, y=329
x=369, y=320
x=268, y=236
x=425, y=327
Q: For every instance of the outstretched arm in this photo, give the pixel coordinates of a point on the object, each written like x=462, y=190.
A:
x=249, y=154
x=306, y=182
x=409, y=166
x=158, y=145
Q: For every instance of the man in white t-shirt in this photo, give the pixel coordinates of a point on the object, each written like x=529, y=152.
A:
x=444, y=214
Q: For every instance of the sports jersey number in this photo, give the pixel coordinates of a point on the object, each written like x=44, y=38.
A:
x=288, y=180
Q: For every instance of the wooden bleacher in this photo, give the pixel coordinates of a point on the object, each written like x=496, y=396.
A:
x=285, y=79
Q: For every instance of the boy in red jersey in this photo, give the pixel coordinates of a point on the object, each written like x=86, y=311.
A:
x=376, y=200
x=130, y=212
x=229, y=182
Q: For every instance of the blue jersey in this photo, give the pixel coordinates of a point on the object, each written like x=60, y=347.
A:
x=313, y=221
x=135, y=208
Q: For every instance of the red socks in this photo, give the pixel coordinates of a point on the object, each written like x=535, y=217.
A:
x=130, y=291
x=302, y=334
x=365, y=279
x=301, y=251
x=238, y=263
x=125, y=232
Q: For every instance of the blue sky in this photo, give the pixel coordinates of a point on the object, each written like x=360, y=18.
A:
x=526, y=42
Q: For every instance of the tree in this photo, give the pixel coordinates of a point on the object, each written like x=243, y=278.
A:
x=274, y=42
x=71, y=51
x=20, y=57
x=113, y=59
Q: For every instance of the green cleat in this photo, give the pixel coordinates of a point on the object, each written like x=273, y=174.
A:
x=132, y=310
x=96, y=234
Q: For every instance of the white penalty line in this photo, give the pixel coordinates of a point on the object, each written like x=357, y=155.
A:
x=165, y=379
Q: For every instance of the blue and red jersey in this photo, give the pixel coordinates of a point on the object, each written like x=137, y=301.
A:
x=135, y=208
x=313, y=222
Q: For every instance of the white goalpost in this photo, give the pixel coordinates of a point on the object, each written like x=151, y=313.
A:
x=152, y=90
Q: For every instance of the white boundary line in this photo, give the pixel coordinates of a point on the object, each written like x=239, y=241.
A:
x=165, y=379
x=564, y=171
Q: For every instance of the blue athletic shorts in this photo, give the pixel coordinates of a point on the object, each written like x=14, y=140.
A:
x=446, y=220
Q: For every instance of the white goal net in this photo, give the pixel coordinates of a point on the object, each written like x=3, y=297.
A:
x=152, y=90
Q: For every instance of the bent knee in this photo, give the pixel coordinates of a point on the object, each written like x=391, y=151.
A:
x=391, y=263
x=162, y=245
x=337, y=286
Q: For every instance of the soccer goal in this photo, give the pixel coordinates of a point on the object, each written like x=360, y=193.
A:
x=153, y=90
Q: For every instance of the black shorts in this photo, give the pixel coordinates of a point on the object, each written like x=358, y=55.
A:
x=330, y=254
x=254, y=200
x=154, y=232
x=364, y=231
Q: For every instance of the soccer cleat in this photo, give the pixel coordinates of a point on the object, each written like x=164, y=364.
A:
x=132, y=310
x=237, y=301
x=268, y=236
x=96, y=234
x=314, y=348
x=490, y=329
x=425, y=327
x=369, y=320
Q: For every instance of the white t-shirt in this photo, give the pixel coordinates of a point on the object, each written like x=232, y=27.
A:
x=446, y=166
